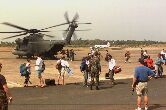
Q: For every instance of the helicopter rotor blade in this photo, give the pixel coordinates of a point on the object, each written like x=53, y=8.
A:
x=15, y=26
x=67, y=17
x=54, y=26
x=84, y=30
x=75, y=18
x=44, y=31
x=14, y=32
x=14, y=36
x=84, y=23
x=49, y=36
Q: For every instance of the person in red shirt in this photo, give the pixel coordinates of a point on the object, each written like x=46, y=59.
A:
x=149, y=62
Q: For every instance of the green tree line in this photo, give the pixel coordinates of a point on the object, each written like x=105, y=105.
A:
x=87, y=43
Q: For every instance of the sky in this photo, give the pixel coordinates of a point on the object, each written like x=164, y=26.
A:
x=111, y=19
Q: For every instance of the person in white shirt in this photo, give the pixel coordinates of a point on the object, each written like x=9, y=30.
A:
x=145, y=54
x=111, y=64
x=39, y=70
x=64, y=65
x=163, y=55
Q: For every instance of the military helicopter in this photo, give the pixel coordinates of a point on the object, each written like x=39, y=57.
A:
x=34, y=43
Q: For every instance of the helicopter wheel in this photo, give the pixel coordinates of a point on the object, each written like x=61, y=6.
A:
x=19, y=56
x=29, y=56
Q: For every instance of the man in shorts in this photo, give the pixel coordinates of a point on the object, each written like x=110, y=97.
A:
x=141, y=77
x=39, y=70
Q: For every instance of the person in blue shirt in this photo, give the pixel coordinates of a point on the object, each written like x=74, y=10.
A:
x=142, y=75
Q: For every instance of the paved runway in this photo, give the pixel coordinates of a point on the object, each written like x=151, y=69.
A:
x=76, y=97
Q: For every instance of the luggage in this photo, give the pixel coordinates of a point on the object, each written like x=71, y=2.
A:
x=23, y=69
x=117, y=69
x=50, y=82
x=107, y=76
x=69, y=71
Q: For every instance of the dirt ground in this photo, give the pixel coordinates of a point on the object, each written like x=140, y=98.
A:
x=11, y=64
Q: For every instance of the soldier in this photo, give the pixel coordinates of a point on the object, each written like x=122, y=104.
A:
x=5, y=95
x=95, y=69
x=72, y=54
x=68, y=54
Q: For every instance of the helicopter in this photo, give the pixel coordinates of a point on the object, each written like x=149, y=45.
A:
x=34, y=43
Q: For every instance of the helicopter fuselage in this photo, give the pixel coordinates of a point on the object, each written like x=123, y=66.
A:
x=31, y=47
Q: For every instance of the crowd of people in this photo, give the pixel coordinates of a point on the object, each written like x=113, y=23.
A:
x=91, y=68
x=155, y=65
x=69, y=54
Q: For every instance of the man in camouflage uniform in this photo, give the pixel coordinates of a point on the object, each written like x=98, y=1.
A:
x=95, y=72
x=5, y=95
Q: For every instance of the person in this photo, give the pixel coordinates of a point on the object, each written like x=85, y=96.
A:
x=68, y=54
x=95, y=70
x=127, y=56
x=158, y=66
x=62, y=71
x=59, y=67
x=39, y=70
x=141, y=77
x=92, y=51
x=162, y=52
x=111, y=63
x=28, y=72
x=106, y=56
x=149, y=62
x=71, y=53
x=63, y=52
x=97, y=52
x=5, y=95
x=142, y=52
x=145, y=54
x=163, y=56
x=83, y=67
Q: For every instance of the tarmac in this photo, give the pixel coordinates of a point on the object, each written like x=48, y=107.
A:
x=76, y=97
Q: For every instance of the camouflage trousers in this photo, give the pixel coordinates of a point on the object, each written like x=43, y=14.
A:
x=3, y=101
x=94, y=80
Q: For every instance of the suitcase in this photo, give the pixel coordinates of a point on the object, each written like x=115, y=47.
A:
x=117, y=69
x=107, y=76
x=50, y=82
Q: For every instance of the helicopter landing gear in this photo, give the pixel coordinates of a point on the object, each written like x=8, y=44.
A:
x=20, y=56
x=48, y=56
x=29, y=56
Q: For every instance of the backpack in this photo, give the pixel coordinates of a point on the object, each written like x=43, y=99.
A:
x=117, y=69
x=23, y=69
x=83, y=66
x=43, y=66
